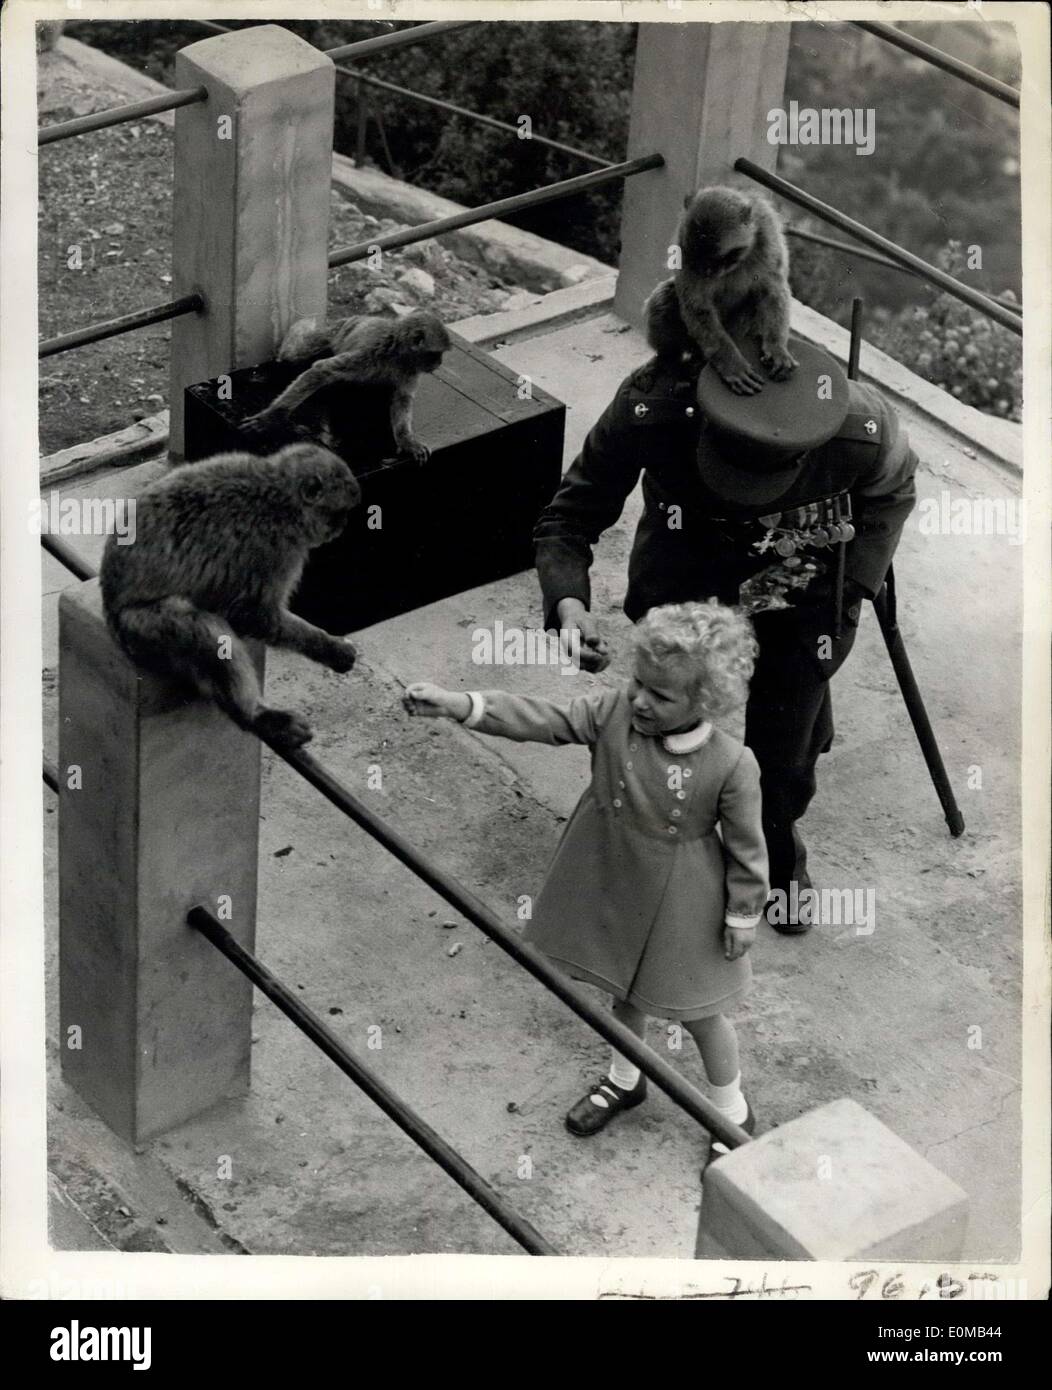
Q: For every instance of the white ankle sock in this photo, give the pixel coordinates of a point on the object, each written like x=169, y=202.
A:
x=622, y=1073
x=729, y=1100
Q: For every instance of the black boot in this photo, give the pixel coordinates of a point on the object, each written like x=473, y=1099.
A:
x=783, y=913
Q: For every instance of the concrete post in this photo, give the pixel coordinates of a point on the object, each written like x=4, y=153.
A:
x=159, y=810
x=700, y=97
x=835, y=1184
x=253, y=170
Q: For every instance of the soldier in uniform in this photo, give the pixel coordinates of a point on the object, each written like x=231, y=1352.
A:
x=789, y=502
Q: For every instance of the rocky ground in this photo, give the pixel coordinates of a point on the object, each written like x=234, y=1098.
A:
x=105, y=250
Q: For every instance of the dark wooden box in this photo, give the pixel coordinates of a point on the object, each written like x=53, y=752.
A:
x=462, y=519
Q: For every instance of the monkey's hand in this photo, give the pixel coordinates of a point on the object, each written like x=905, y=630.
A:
x=340, y=656
x=736, y=372
x=283, y=727
x=263, y=423
x=777, y=361
x=412, y=448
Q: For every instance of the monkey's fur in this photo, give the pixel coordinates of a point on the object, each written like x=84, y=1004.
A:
x=734, y=274
x=219, y=547
x=361, y=350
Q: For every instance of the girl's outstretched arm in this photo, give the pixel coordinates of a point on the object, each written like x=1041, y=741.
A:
x=524, y=718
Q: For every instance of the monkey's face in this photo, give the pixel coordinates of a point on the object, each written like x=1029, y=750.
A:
x=327, y=489
x=717, y=233
x=427, y=341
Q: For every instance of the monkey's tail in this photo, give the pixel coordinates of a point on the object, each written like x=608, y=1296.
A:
x=173, y=637
x=305, y=343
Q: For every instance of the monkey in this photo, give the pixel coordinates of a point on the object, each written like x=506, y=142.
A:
x=734, y=273
x=218, y=549
x=361, y=350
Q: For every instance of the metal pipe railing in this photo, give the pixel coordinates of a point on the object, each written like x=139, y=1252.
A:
x=60, y=551
x=992, y=86
x=990, y=307
x=399, y=38
x=860, y=251
x=467, y=114
x=392, y=1104
x=410, y=94
x=117, y=115
x=681, y=1092
x=170, y=101
x=519, y=202
x=127, y=323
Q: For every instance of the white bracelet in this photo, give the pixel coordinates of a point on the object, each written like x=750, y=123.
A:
x=478, y=709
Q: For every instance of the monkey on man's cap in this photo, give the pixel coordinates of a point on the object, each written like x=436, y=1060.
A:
x=751, y=448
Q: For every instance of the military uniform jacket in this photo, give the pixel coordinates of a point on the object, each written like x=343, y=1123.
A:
x=690, y=543
x=641, y=886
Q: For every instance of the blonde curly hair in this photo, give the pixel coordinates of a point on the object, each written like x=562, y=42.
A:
x=716, y=641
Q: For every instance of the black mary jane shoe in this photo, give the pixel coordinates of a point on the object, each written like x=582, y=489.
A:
x=594, y=1111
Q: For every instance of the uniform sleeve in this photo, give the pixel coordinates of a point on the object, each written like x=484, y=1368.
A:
x=744, y=847
x=883, y=500
x=527, y=719
x=590, y=499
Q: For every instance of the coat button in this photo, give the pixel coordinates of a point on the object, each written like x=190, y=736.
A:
x=617, y=802
x=687, y=771
x=621, y=785
x=642, y=410
x=631, y=749
x=629, y=766
x=680, y=796
x=676, y=812
x=673, y=830
x=690, y=411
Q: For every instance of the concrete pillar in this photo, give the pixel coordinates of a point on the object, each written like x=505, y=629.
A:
x=253, y=169
x=835, y=1184
x=700, y=97
x=154, y=1025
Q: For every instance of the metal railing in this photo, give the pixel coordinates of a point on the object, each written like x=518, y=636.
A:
x=845, y=248
x=891, y=249
x=992, y=86
x=474, y=910
x=194, y=303
x=393, y=1106
x=519, y=202
x=424, y=99
x=153, y=106
x=128, y=323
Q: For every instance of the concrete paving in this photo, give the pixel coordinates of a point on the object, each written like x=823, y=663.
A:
x=918, y=1021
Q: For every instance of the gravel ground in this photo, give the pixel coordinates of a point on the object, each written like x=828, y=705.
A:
x=105, y=250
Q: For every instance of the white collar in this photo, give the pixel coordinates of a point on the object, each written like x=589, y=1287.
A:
x=688, y=740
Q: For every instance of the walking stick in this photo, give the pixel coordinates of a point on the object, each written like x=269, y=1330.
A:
x=887, y=615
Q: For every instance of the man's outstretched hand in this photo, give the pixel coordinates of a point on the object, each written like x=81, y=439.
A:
x=574, y=616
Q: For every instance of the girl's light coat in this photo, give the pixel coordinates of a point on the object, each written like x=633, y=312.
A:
x=640, y=887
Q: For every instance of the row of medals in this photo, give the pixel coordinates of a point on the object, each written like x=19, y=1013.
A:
x=816, y=525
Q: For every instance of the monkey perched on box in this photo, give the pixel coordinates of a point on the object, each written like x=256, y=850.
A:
x=364, y=350
x=734, y=271
x=219, y=547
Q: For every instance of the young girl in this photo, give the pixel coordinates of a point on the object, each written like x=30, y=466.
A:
x=643, y=898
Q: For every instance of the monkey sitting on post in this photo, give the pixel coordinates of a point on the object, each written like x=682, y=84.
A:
x=366, y=350
x=219, y=548
x=734, y=271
